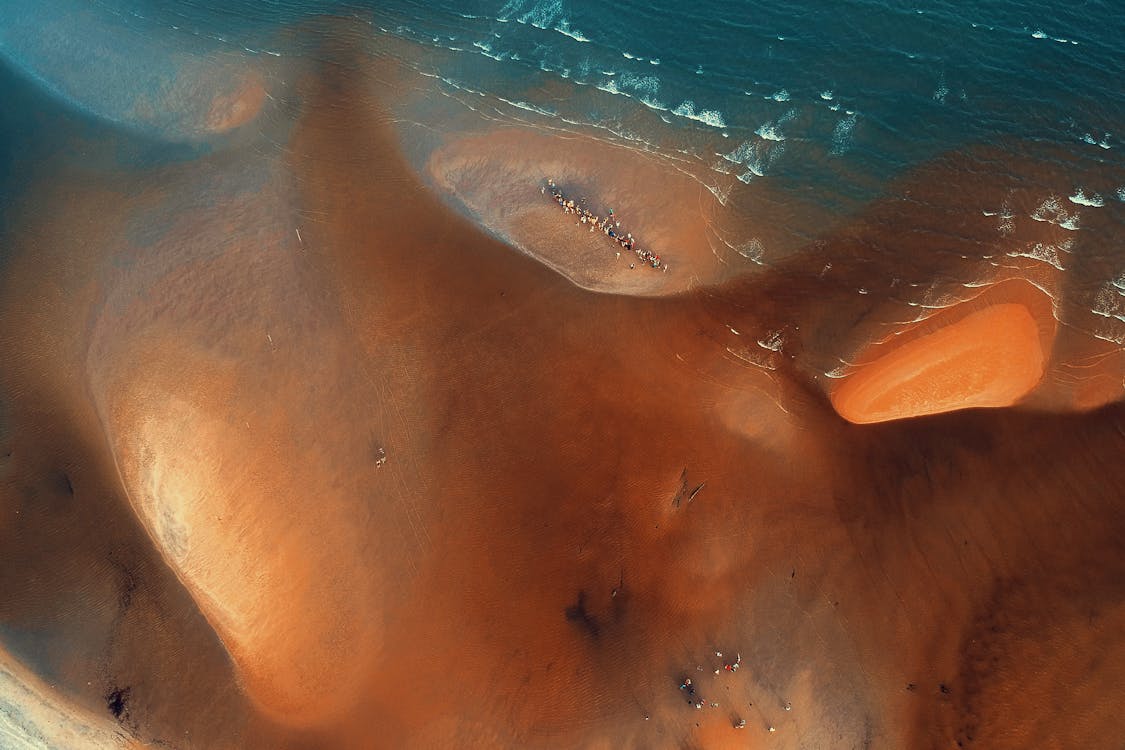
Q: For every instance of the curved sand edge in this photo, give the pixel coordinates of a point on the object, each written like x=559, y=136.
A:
x=33, y=715
x=497, y=177
x=990, y=358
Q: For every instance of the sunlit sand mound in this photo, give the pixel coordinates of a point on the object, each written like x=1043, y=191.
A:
x=429, y=494
x=231, y=470
x=240, y=557
x=238, y=514
x=992, y=357
x=498, y=177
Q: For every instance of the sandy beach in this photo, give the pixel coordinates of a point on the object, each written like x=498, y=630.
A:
x=387, y=459
x=497, y=177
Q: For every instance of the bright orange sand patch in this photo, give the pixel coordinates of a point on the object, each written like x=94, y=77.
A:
x=989, y=358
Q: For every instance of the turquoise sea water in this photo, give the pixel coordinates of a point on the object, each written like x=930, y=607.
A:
x=829, y=103
x=882, y=84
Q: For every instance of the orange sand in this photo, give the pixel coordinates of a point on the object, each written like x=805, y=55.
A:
x=989, y=358
x=364, y=477
x=497, y=176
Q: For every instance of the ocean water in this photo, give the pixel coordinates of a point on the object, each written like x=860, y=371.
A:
x=831, y=105
x=879, y=85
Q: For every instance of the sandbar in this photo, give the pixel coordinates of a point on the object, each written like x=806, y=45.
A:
x=990, y=358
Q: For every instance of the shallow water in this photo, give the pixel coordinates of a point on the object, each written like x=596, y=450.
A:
x=321, y=427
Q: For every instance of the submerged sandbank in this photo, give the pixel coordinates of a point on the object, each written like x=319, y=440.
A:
x=429, y=493
x=497, y=176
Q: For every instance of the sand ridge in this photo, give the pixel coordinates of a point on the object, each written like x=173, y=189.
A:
x=429, y=492
x=989, y=358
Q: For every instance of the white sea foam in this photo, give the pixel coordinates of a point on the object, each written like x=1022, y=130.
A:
x=1044, y=252
x=1039, y=34
x=1093, y=199
x=654, y=61
x=1052, y=212
x=722, y=167
x=826, y=95
x=842, y=135
x=757, y=156
x=643, y=88
x=779, y=96
x=1111, y=336
x=711, y=117
x=769, y=132
x=528, y=107
x=1108, y=303
x=1103, y=143
x=542, y=14
x=487, y=51
x=1007, y=218
x=741, y=153
x=773, y=341
x=942, y=90
x=1121, y=193
x=563, y=27
x=641, y=84
x=752, y=250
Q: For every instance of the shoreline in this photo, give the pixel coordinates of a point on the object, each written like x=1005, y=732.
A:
x=396, y=484
x=496, y=176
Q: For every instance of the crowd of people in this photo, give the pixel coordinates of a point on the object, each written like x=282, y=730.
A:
x=698, y=702
x=609, y=225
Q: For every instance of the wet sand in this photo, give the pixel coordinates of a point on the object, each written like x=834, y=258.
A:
x=381, y=480
x=497, y=176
